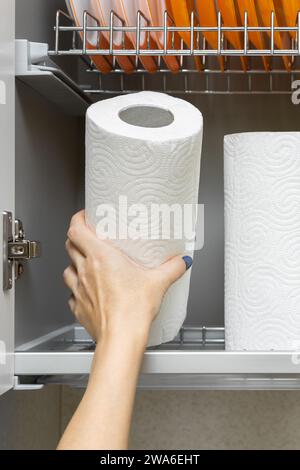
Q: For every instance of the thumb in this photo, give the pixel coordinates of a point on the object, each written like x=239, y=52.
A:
x=174, y=268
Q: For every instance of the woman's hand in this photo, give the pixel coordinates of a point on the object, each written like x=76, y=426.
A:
x=116, y=300
x=111, y=293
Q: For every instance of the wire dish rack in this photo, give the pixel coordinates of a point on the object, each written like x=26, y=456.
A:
x=210, y=80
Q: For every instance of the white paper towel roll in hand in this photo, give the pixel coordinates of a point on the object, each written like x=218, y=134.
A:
x=262, y=241
x=146, y=147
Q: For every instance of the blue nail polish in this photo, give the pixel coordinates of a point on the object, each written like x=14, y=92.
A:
x=188, y=261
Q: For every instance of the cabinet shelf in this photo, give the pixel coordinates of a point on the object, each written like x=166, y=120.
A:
x=195, y=359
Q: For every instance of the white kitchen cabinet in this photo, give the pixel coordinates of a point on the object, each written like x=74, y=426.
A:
x=44, y=173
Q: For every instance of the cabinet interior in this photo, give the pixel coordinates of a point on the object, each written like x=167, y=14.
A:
x=50, y=166
x=50, y=188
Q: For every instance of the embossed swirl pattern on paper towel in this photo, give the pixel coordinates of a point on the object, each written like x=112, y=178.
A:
x=156, y=172
x=262, y=241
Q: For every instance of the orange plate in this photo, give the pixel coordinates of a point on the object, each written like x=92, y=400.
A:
x=230, y=19
x=256, y=38
x=103, y=9
x=290, y=9
x=207, y=14
x=76, y=9
x=156, y=9
x=127, y=10
x=181, y=11
x=281, y=40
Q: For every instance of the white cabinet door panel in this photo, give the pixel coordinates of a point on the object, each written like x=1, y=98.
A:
x=7, y=178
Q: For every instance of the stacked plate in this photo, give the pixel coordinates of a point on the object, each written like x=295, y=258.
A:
x=106, y=13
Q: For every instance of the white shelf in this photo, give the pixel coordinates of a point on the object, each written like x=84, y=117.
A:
x=188, y=363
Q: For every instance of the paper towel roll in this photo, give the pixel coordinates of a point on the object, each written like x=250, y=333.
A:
x=147, y=147
x=262, y=241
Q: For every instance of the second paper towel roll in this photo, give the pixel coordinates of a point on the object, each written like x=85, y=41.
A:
x=262, y=241
x=146, y=147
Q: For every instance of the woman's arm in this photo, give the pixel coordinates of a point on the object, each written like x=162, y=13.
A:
x=102, y=420
x=116, y=300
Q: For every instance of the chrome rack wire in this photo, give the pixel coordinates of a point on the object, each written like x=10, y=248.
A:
x=188, y=335
x=232, y=81
x=209, y=82
x=202, y=336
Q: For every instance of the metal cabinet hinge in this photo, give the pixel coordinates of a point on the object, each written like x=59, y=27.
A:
x=16, y=249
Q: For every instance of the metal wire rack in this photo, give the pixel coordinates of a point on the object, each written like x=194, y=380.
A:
x=210, y=80
x=198, y=336
x=75, y=338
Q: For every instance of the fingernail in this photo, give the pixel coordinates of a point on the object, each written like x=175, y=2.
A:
x=188, y=261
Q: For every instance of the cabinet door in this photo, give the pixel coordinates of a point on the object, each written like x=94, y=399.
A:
x=7, y=177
